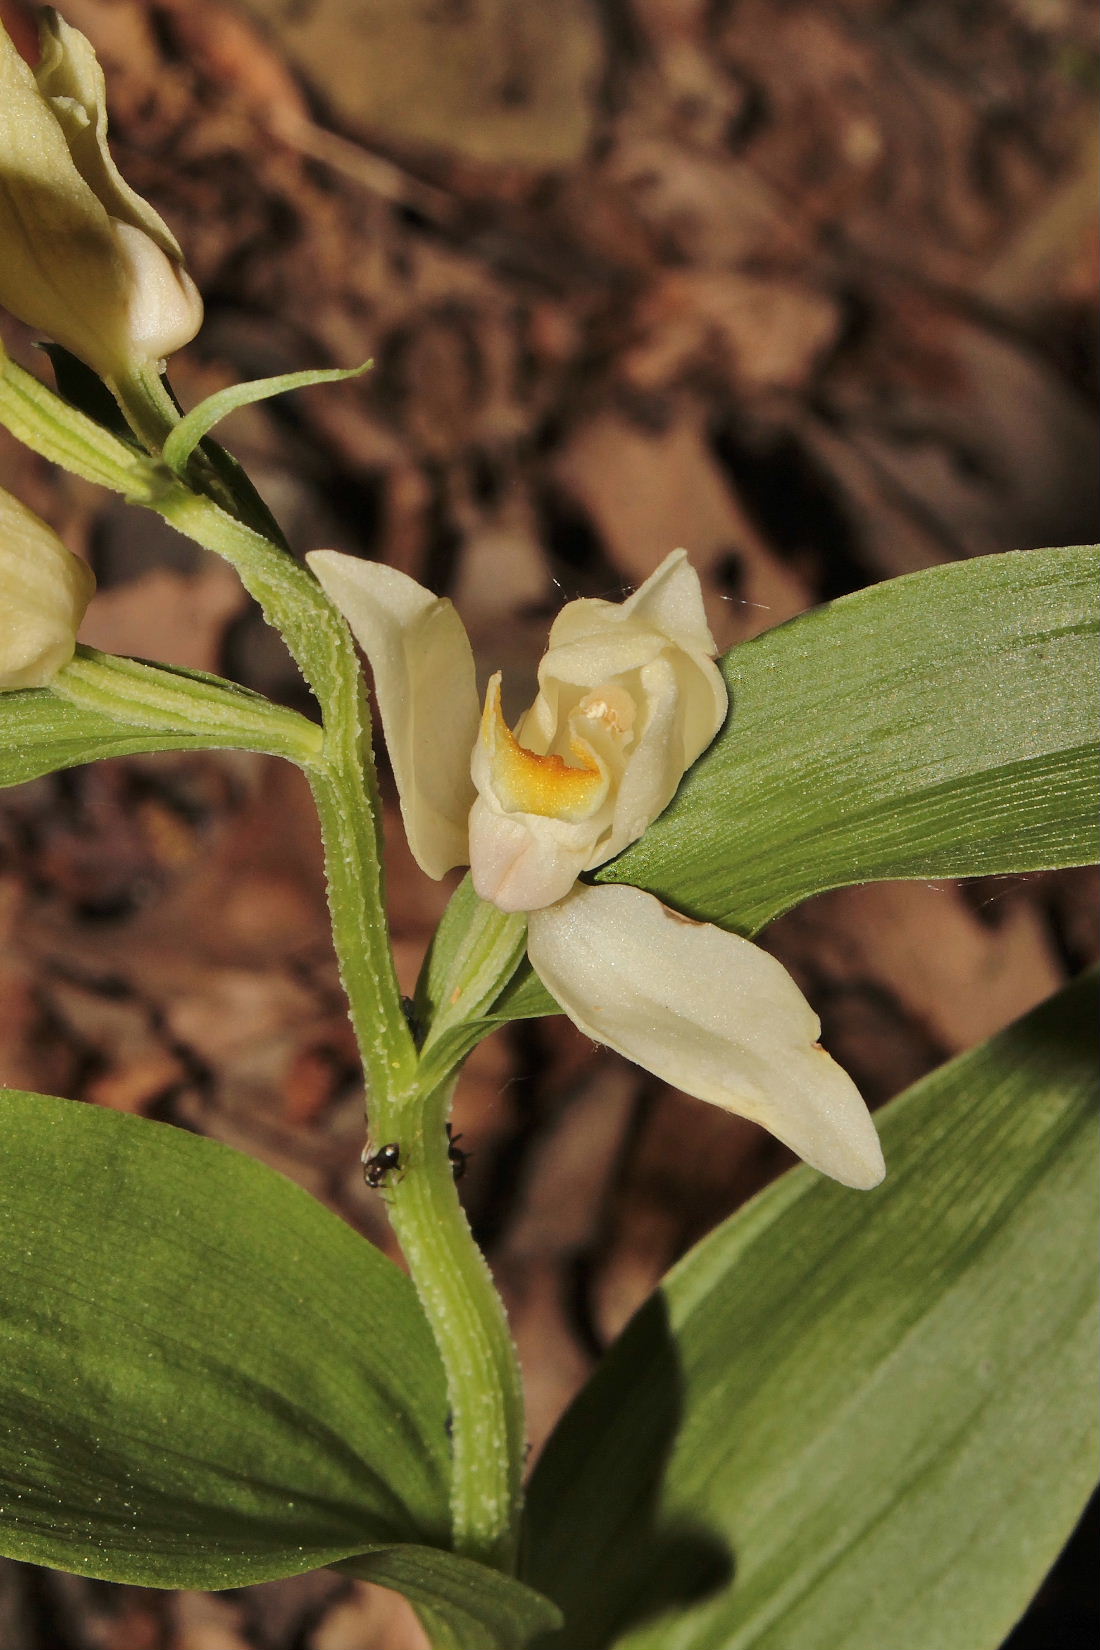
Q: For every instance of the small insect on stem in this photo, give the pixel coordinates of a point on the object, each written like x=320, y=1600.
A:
x=379, y=1165
x=458, y=1157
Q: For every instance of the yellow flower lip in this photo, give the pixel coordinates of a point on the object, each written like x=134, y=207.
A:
x=527, y=783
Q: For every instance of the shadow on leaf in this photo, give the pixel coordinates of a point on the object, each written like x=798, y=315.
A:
x=611, y=1554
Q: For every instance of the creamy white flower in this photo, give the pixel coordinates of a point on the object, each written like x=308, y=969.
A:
x=85, y=260
x=44, y=591
x=629, y=697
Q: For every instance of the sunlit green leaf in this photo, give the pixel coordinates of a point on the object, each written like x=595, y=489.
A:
x=855, y=1421
x=942, y=724
x=206, y=1378
x=67, y=436
x=42, y=733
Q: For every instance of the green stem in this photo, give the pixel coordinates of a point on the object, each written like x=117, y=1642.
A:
x=408, y=1104
x=353, y=872
x=290, y=597
x=343, y=780
x=484, y=1384
x=147, y=407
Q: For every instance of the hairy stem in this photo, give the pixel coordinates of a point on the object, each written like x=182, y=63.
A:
x=457, y=1292
x=408, y=1101
x=147, y=407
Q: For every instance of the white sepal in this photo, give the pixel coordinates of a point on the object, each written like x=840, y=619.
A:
x=709, y=1012
x=670, y=602
x=426, y=691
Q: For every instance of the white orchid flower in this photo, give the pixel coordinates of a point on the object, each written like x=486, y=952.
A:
x=629, y=696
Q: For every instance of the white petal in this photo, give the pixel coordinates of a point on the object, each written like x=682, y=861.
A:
x=599, y=649
x=426, y=689
x=669, y=604
x=671, y=600
x=523, y=861
x=70, y=77
x=709, y=1012
x=655, y=768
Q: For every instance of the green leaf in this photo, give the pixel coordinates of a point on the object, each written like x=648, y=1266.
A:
x=851, y=1421
x=85, y=390
x=100, y=706
x=69, y=437
x=474, y=949
x=463, y=1605
x=42, y=733
x=939, y=725
x=198, y=423
x=523, y=998
x=206, y=1378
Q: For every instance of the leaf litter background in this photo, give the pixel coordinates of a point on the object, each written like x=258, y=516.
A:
x=805, y=287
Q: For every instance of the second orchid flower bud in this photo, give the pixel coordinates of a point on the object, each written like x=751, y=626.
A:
x=44, y=591
x=85, y=260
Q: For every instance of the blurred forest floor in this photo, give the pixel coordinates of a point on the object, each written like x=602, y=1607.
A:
x=803, y=285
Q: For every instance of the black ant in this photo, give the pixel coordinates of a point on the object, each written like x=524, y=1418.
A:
x=458, y=1157
x=377, y=1166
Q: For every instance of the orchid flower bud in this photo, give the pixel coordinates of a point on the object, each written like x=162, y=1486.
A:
x=44, y=591
x=85, y=260
x=629, y=696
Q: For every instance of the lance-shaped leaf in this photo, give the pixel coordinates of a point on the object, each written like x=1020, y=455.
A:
x=854, y=1421
x=198, y=423
x=206, y=1378
x=100, y=706
x=942, y=724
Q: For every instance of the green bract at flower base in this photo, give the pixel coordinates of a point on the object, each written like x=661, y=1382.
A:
x=629, y=697
x=86, y=260
x=46, y=590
